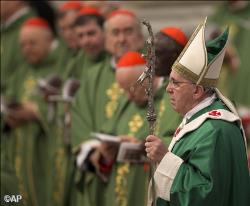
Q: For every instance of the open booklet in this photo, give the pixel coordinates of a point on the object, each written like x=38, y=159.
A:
x=127, y=151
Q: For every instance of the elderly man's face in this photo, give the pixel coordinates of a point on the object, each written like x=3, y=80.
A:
x=181, y=93
x=90, y=38
x=65, y=24
x=122, y=35
x=35, y=43
x=126, y=80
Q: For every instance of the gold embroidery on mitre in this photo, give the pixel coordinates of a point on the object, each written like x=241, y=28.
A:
x=113, y=93
x=186, y=73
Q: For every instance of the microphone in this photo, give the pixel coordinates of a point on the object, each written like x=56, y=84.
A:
x=143, y=76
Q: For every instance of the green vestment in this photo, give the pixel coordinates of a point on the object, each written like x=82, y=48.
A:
x=62, y=159
x=238, y=20
x=11, y=57
x=128, y=119
x=65, y=57
x=128, y=183
x=214, y=170
x=95, y=103
x=34, y=142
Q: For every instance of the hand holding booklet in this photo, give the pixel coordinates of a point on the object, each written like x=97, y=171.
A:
x=127, y=151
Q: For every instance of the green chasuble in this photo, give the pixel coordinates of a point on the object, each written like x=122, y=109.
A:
x=213, y=169
x=95, y=102
x=81, y=64
x=34, y=142
x=238, y=21
x=11, y=57
x=8, y=178
x=65, y=57
x=62, y=163
x=128, y=119
x=128, y=183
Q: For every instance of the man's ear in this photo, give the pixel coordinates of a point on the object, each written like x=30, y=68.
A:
x=198, y=92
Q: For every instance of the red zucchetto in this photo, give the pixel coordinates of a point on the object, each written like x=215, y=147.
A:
x=88, y=10
x=131, y=59
x=70, y=5
x=176, y=34
x=36, y=22
x=121, y=12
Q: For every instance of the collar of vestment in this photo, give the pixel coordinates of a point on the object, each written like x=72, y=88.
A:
x=204, y=103
x=217, y=110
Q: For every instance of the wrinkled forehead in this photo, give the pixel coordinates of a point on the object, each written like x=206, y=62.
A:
x=68, y=16
x=91, y=24
x=34, y=32
x=176, y=76
x=121, y=21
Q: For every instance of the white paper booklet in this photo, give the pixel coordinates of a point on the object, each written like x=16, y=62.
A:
x=106, y=137
x=127, y=151
x=131, y=152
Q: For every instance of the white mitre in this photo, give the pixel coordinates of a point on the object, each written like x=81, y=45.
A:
x=201, y=62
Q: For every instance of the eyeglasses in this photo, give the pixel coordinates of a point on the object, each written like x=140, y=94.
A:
x=175, y=84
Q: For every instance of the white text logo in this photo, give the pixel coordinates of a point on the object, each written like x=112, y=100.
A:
x=12, y=198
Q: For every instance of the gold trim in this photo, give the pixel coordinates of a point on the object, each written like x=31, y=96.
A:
x=60, y=178
x=183, y=71
x=31, y=181
x=204, y=70
x=123, y=169
x=209, y=82
x=18, y=164
x=28, y=87
x=113, y=94
x=186, y=73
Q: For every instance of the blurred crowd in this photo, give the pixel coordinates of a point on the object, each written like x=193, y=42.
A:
x=69, y=72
